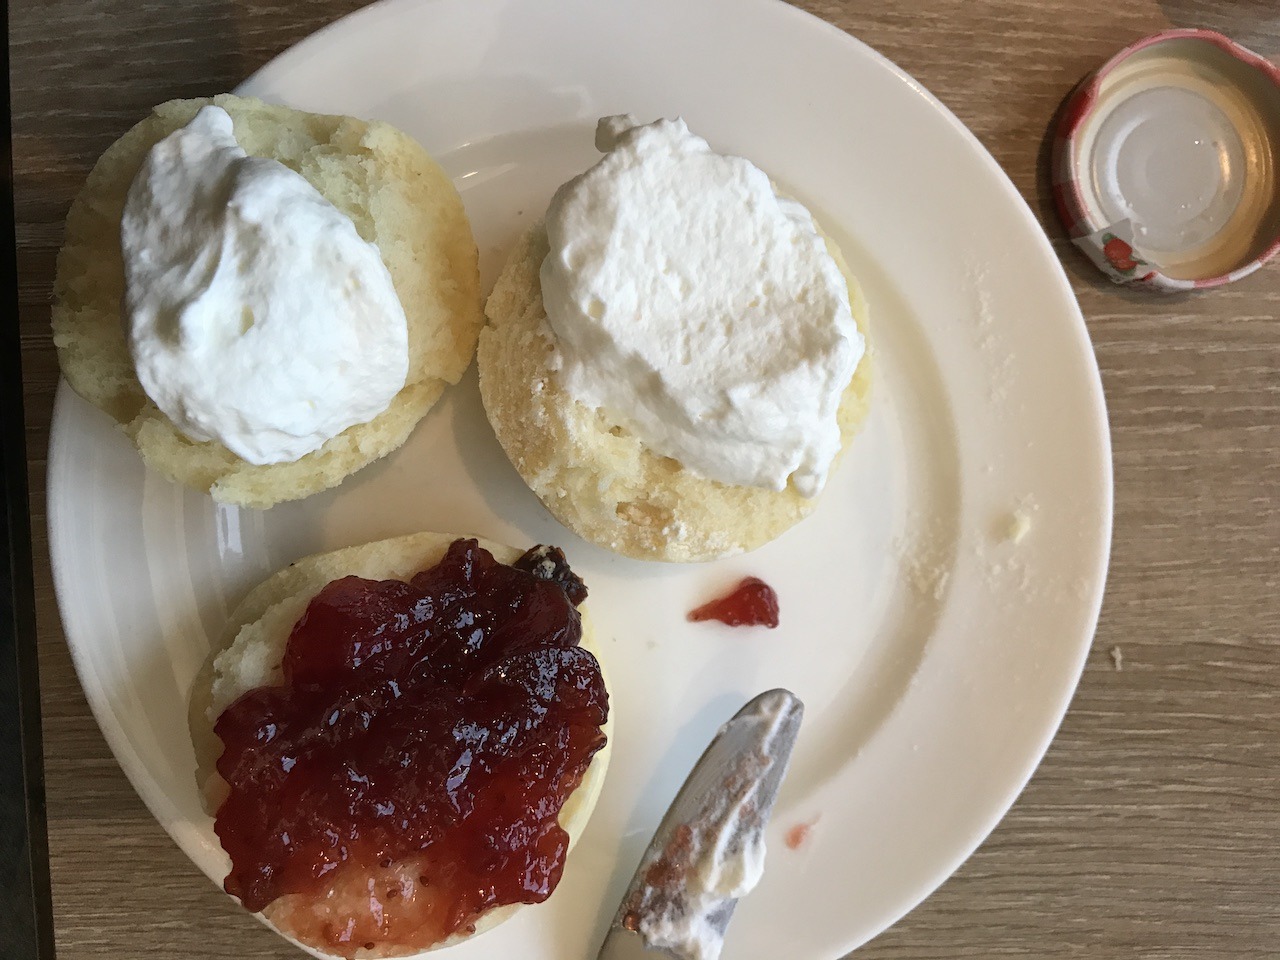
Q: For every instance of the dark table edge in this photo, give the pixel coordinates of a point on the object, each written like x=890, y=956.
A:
x=26, y=914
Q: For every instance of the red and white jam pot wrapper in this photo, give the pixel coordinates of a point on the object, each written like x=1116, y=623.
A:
x=1164, y=163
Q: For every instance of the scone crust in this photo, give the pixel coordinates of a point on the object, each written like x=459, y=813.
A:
x=593, y=476
x=398, y=198
x=252, y=646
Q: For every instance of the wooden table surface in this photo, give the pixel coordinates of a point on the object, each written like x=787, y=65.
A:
x=1152, y=829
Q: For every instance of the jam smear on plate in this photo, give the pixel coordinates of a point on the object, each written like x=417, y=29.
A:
x=751, y=603
x=409, y=773
x=798, y=835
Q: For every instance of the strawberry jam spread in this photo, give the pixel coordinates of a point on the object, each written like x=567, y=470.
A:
x=751, y=603
x=408, y=774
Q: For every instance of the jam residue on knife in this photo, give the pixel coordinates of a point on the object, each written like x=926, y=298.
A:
x=408, y=774
x=751, y=603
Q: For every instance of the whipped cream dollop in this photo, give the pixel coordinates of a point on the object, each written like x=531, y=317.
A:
x=699, y=308
x=256, y=314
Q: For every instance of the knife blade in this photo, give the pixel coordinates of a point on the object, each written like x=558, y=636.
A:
x=708, y=851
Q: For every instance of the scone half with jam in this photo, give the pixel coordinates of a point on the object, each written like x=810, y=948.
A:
x=676, y=357
x=400, y=742
x=266, y=300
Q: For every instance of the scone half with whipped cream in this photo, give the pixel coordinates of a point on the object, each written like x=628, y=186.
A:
x=266, y=300
x=401, y=741
x=675, y=358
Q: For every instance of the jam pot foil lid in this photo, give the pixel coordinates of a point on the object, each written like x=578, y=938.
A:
x=1164, y=162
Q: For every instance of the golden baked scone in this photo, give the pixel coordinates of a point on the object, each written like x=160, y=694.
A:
x=398, y=198
x=596, y=478
x=251, y=649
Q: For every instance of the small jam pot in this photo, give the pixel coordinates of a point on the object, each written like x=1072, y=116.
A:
x=1164, y=163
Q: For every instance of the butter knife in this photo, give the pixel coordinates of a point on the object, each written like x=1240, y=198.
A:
x=709, y=849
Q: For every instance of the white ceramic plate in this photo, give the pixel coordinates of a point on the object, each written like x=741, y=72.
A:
x=936, y=656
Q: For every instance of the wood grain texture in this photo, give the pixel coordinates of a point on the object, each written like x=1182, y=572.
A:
x=1152, y=828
